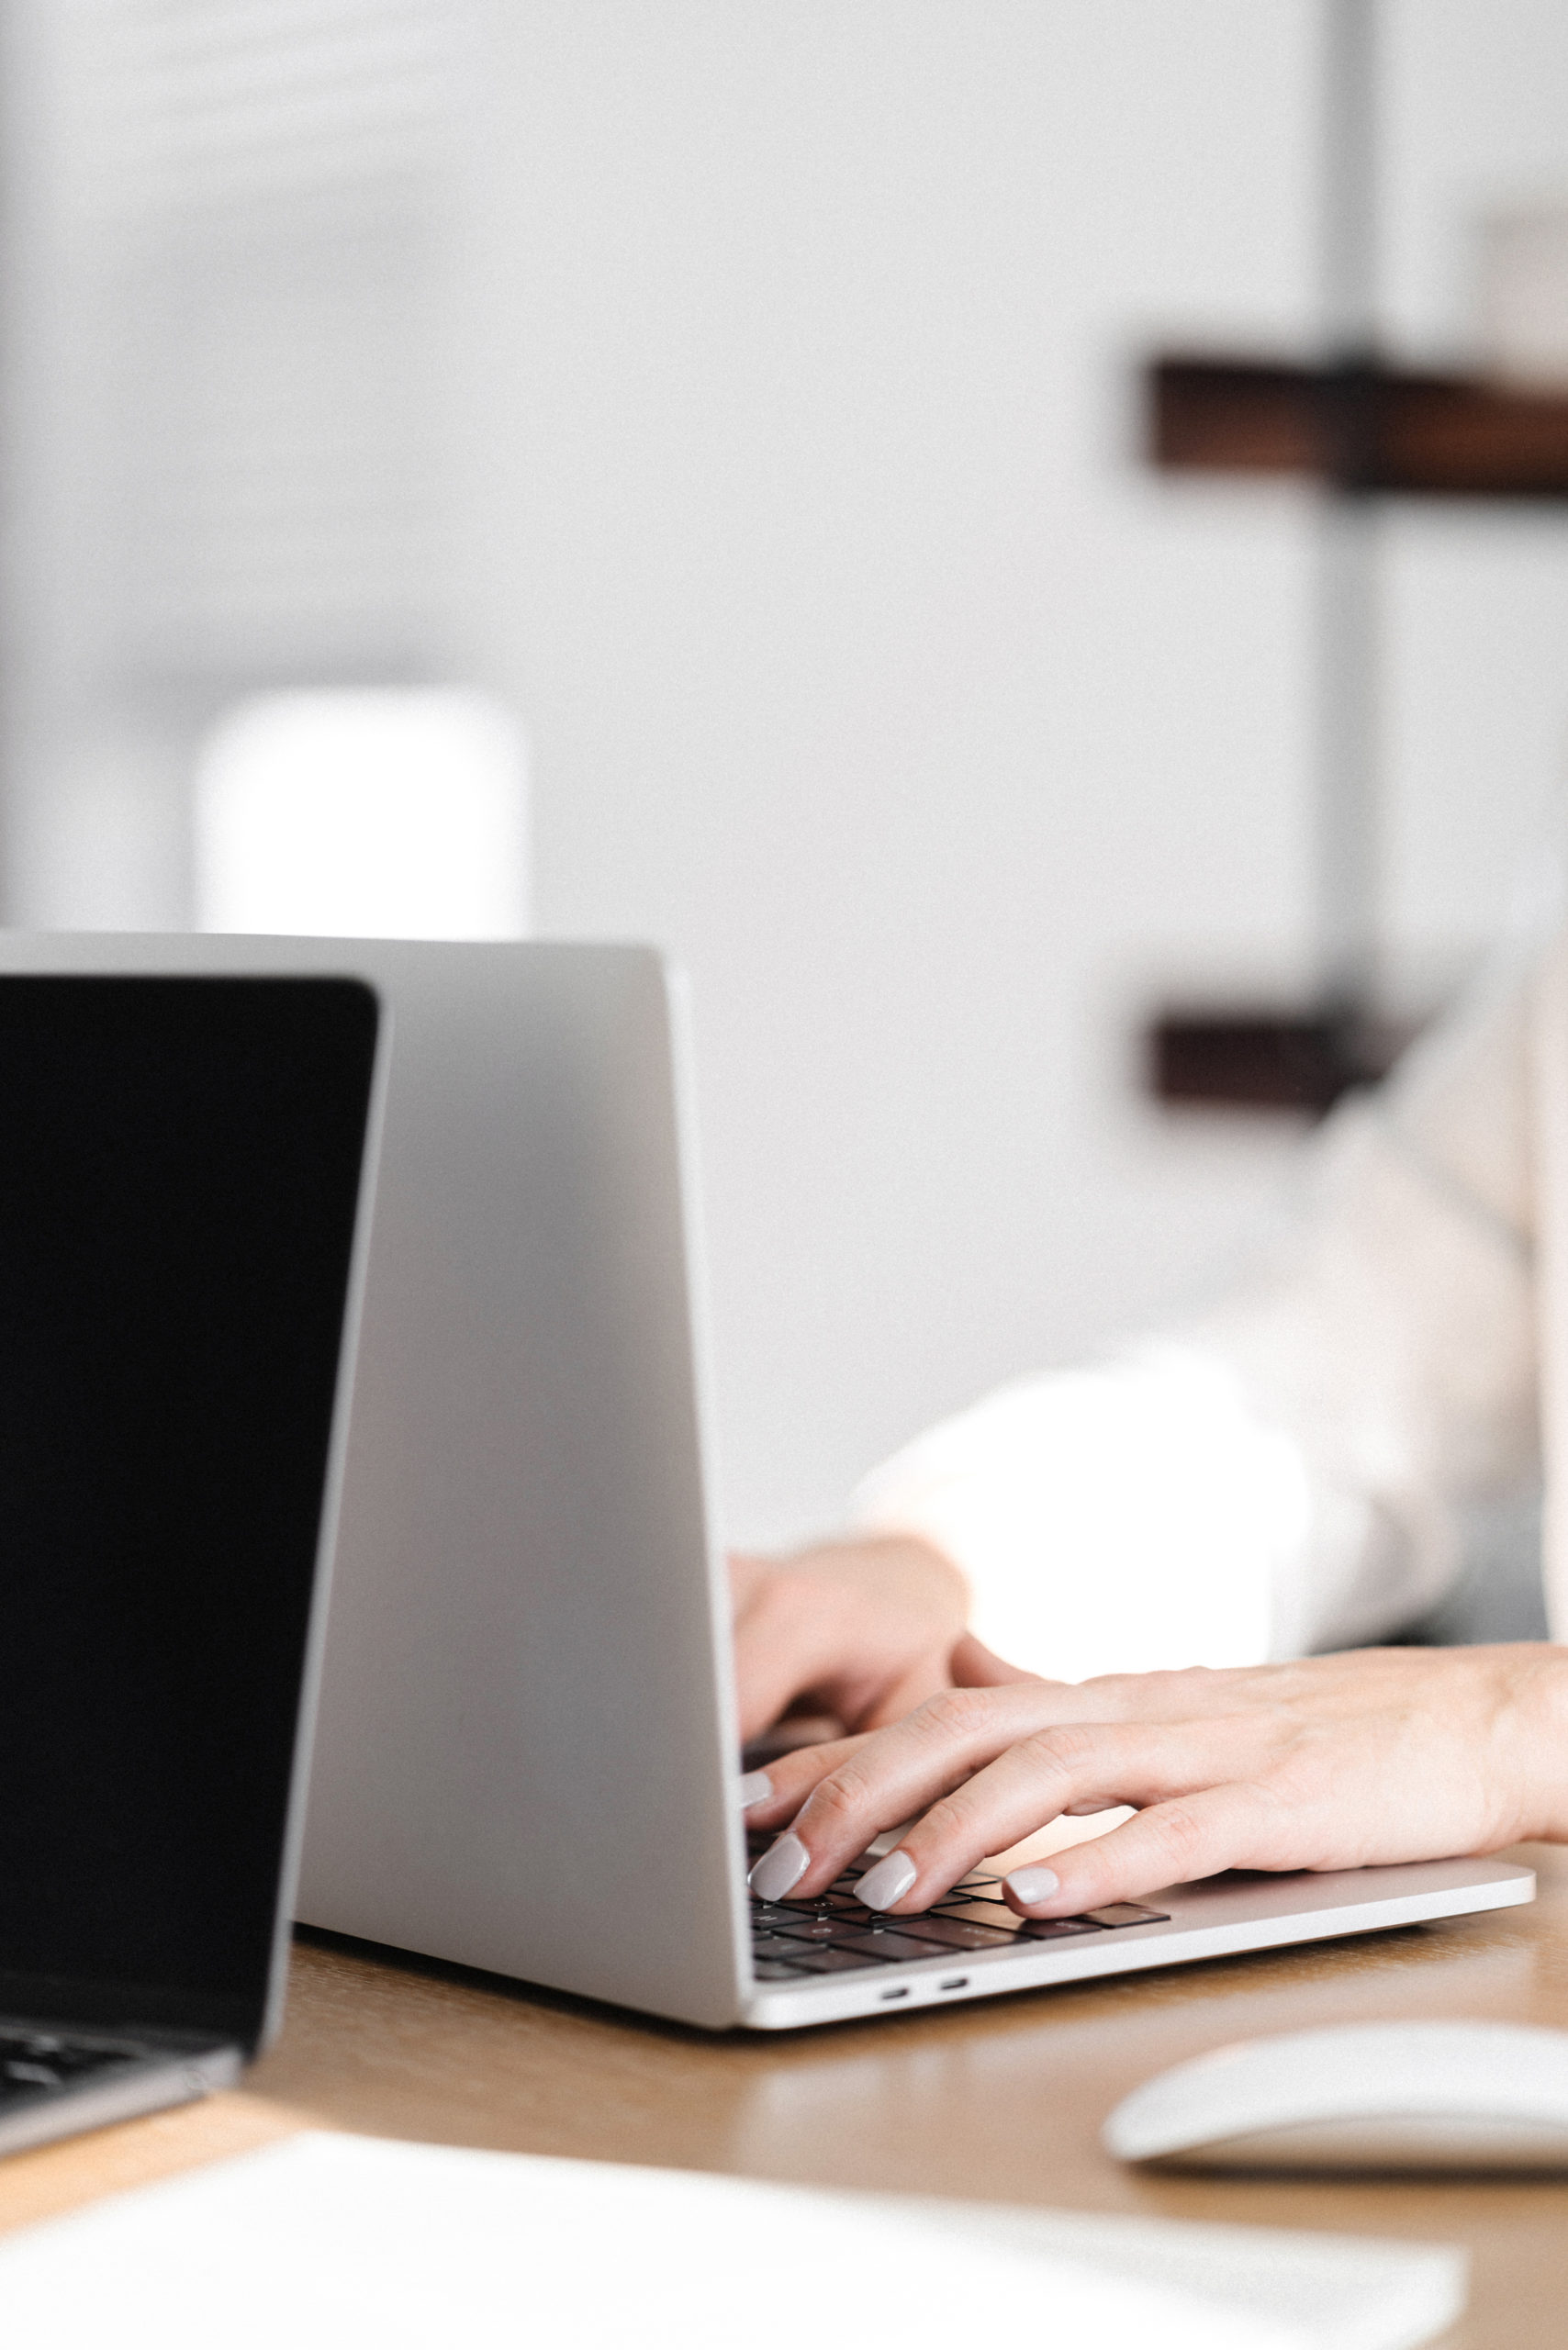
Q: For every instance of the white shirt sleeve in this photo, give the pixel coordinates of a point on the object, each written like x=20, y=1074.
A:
x=1286, y=1472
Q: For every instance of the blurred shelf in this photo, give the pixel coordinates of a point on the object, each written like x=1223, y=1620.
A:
x=1359, y=426
x=1244, y=1058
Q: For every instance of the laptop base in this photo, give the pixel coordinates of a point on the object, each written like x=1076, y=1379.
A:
x=1220, y=1918
x=56, y=2082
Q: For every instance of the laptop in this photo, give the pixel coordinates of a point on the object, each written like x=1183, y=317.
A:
x=526, y=1756
x=182, y=1165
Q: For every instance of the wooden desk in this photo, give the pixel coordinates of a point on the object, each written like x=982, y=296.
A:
x=1003, y=2099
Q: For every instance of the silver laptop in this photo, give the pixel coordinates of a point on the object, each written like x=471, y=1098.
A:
x=526, y=1754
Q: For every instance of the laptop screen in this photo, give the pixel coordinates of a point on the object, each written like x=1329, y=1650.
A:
x=179, y=1173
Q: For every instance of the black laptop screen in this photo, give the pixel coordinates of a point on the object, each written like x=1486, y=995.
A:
x=179, y=1172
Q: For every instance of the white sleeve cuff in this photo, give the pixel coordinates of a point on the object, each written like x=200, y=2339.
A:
x=1113, y=1520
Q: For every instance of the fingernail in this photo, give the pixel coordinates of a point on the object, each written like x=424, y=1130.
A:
x=887, y=1882
x=782, y=1865
x=756, y=1787
x=1033, y=1884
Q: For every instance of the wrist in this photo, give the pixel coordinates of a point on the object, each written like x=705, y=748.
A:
x=1542, y=1767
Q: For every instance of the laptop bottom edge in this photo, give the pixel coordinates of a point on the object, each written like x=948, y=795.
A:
x=1222, y=1919
x=160, y=2079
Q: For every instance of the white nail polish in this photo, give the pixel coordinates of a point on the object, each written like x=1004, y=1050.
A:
x=1033, y=1884
x=756, y=1787
x=782, y=1865
x=887, y=1882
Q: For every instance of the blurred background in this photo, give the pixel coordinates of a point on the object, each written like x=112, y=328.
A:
x=686, y=472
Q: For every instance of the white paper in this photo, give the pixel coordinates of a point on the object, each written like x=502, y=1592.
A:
x=327, y=2243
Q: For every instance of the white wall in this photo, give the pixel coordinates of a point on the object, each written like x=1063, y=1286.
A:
x=862, y=663
x=1476, y=601
x=864, y=666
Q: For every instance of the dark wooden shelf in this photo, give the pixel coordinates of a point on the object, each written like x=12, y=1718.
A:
x=1360, y=427
x=1242, y=1057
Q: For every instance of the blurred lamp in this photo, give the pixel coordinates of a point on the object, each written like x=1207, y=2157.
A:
x=378, y=813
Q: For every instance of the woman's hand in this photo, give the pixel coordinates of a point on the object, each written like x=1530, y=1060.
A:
x=1382, y=1754
x=862, y=1630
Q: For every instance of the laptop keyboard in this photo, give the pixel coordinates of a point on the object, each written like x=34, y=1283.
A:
x=836, y=1934
x=33, y=2063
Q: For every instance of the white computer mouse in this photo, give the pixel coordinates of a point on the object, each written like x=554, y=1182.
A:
x=1361, y=2097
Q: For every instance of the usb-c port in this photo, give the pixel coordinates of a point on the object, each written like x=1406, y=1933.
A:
x=900, y=1993
x=956, y=1983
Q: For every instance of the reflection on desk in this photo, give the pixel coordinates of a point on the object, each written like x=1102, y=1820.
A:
x=1003, y=2101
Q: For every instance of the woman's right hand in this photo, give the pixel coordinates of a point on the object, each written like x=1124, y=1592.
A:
x=863, y=1630
x=1339, y=1761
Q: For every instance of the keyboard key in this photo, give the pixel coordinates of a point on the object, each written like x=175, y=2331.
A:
x=957, y=1933
x=1092, y=1921
x=1002, y=1920
x=91, y=2059
x=55, y=2051
x=825, y=1930
x=830, y=1961
x=33, y=2063
x=994, y=1914
x=774, y=1946
x=26, y=2072
x=890, y=1943
x=767, y=1970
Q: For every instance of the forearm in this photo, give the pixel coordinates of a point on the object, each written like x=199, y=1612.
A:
x=1290, y=1471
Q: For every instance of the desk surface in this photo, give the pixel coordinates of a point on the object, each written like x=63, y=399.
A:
x=1003, y=2099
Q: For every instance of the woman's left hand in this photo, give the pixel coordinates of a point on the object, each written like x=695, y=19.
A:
x=1375, y=1755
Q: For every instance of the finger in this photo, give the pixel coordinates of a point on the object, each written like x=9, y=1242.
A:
x=1076, y=1767
x=776, y=1793
x=1169, y=1843
x=895, y=1773
x=974, y=1666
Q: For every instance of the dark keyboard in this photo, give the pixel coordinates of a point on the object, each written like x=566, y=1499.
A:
x=834, y=1933
x=34, y=2063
